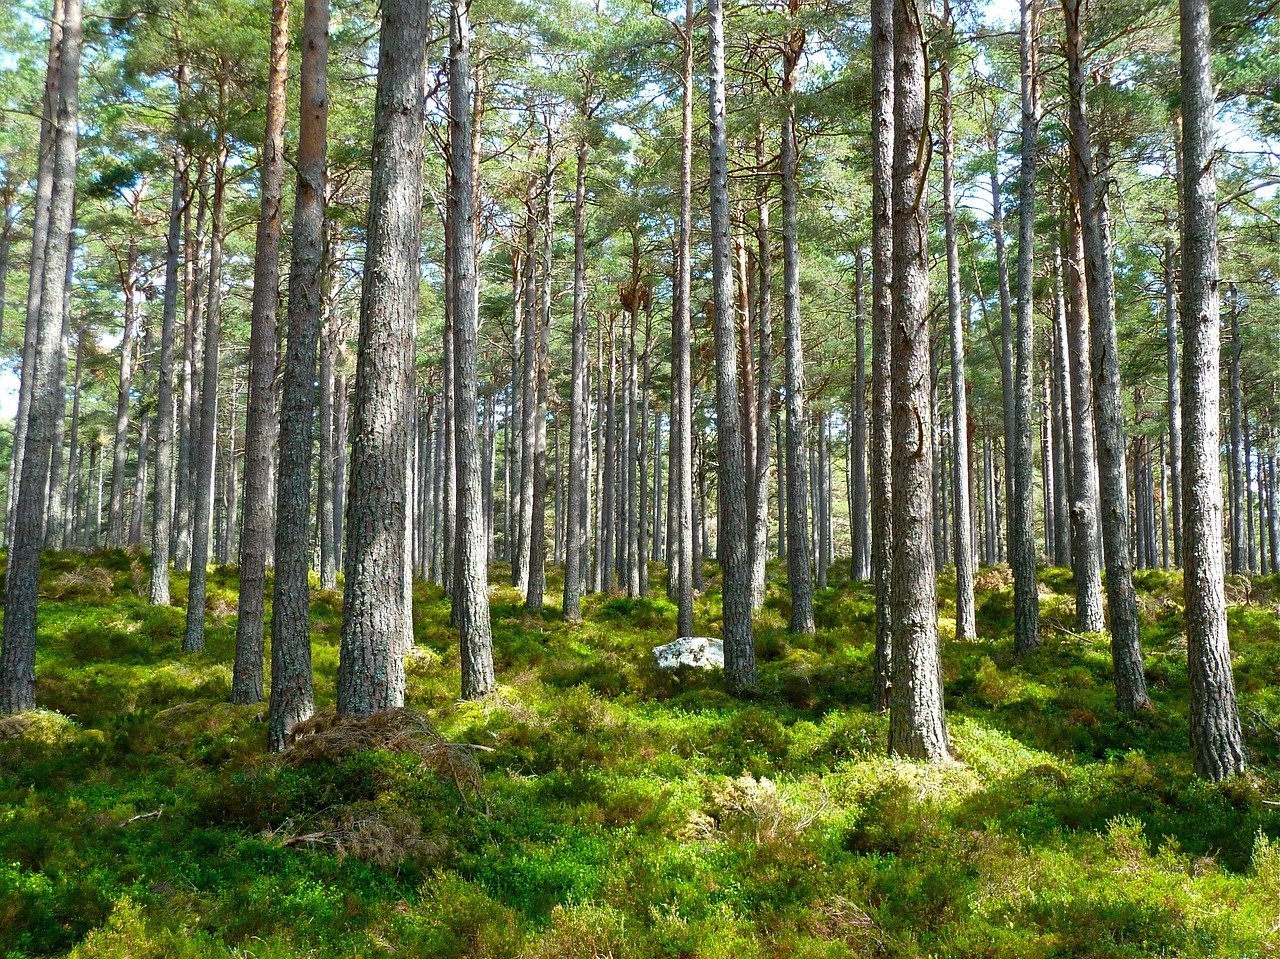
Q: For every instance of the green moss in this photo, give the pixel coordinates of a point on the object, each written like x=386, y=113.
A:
x=628, y=812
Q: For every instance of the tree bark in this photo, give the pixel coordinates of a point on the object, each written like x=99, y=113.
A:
x=162, y=508
x=1217, y=748
x=1175, y=391
x=579, y=414
x=205, y=443
x=739, y=642
x=1022, y=547
x=680, y=487
x=41, y=212
x=763, y=310
x=124, y=385
x=1126, y=651
x=882, y=264
x=1085, y=542
x=292, y=697
x=960, y=483
x=799, y=556
x=371, y=664
x=917, y=724
x=260, y=416
x=471, y=581
x=22, y=574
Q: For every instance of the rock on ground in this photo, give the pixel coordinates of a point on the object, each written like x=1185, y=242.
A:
x=696, y=652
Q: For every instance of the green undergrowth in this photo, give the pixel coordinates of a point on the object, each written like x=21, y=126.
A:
x=623, y=812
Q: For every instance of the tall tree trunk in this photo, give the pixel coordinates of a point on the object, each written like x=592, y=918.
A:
x=799, y=557
x=1006, y=338
x=292, y=697
x=371, y=663
x=917, y=724
x=1126, y=652
x=1175, y=390
x=42, y=210
x=642, y=489
x=327, y=509
x=1085, y=535
x=162, y=508
x=882, y=264
x=205, y=443
x=261, y=421
x=1062, y=415
x=680, y=487
x=75, y=454
x=471, y=583
x=960, y=483
x=1236, y=448
x=22, y=574
x=124, y=385
x=1217, y=748
x=53, y=533
x=193, y=303
x=859, y=530
x=529, y=401
x=1022, y=547
x=763, y=310
x=541, y=358
x=739, y=642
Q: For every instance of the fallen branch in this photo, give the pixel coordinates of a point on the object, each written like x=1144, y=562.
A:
x=154, y=814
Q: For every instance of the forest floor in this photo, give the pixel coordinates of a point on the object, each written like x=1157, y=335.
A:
x=616, y=811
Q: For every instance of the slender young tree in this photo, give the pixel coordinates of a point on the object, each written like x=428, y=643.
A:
x=859, y=530
x=292, y=698
x=579, y=413
x=162, y=507
x=1085, y=544
x=1022, y=546
x=1126, y=650
x=22, y=573
x=799, y=554
x=371, y=658
x=960, y=486
x=260, y=414
x=471, y=581
x=1217, y=747
x=205, y=443
x=681, y=486
x=917, y=724
x=882, y=306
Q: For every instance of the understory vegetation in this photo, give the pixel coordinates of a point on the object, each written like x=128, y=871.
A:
x=596, y=807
